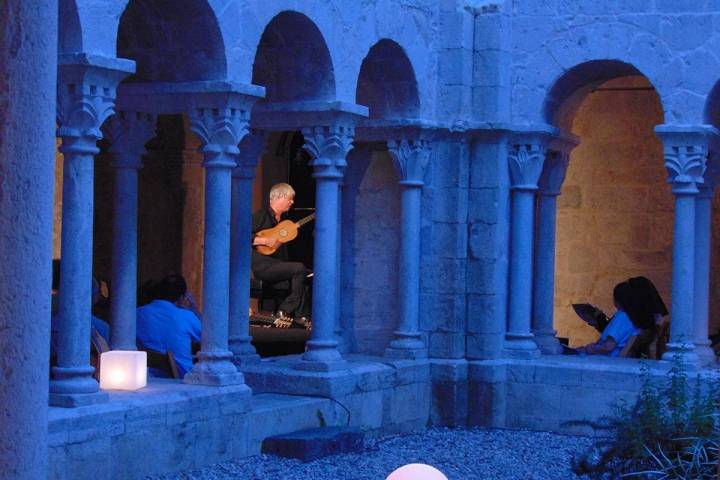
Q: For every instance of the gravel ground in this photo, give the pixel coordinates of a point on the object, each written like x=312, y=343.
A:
x=461, y=454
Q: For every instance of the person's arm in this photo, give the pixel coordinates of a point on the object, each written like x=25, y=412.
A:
x=258, y=221
x=601, y=347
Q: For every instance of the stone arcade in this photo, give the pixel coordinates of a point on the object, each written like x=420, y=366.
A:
x=437, y=136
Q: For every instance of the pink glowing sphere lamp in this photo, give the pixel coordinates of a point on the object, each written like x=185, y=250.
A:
x=417, y=471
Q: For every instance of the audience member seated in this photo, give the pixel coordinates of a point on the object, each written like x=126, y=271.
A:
x=623, y=325
x=170, y=322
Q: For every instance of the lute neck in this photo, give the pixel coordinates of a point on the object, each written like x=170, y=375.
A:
x=305, y=220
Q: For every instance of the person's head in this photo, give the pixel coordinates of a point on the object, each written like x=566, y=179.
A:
x=170, y=288
x=282, y=197
x=626, y=299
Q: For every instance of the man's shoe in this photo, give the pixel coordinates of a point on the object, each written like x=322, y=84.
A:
x=303, y=322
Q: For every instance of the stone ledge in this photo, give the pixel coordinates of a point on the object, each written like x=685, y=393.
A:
x=308, y=445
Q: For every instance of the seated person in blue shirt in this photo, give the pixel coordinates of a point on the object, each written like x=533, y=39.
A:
x=170, y=322
x=622, y=325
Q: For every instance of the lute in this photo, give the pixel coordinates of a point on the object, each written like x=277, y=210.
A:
x=283, y=232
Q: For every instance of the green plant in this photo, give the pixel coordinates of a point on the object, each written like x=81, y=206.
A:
x=670, y=432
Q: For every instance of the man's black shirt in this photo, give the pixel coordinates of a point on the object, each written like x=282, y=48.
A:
x=263, y=219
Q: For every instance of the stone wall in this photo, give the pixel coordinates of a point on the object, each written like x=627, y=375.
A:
x=615, y=213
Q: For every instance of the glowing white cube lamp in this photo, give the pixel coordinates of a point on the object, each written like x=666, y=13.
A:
x=417, y=471
x=123, y=370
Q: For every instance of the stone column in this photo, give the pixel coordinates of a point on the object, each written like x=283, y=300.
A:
x=328, y=146
x=86, y=96
x=220, y=129
x=251, y=147
x=28, y=55
x=410, y=157
x=526, y=163
x=551, y=180
x=703, y=244
x=685, y=151
x=128, y=132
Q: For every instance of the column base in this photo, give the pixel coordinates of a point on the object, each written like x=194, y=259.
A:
x=243, y=352
x=706, y=354
x=548, y=344
x=406, y=354
x=521, y=346
x=214, y=369
x=74, y=387
x=683, y=352
x=322, y=356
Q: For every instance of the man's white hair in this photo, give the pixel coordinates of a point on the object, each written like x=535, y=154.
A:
x=280, y=190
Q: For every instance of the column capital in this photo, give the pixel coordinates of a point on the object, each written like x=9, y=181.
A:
x=553, y=173
x=86, y=93
x=251, y=147
x=128, y=132
x=328, y=146
x=526, y=163
x=685, y=150
x=410, y=157
x=220, y=130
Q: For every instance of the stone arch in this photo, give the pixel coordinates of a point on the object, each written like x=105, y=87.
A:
x=172, y=41
x=69, y=30
x=387, y=84
x=662, y=63
x=292, y=60
x=613, y=108
x=572, y=88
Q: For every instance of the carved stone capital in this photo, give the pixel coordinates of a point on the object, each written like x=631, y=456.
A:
x=685, y=165
x=328, y=146
x=251, y=147
x=86, y=94
x=128, y=132
x=526, y=163
x=411, y=158
x=553, y=173
x=220, y=131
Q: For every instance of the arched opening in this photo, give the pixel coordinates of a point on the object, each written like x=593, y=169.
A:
x=292, y=61
x=386, y=84
x=172, y=41
x=371, y=206
x=69, y=30
x=615, y=213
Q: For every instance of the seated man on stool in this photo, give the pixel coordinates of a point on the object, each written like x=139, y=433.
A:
x=276, y=267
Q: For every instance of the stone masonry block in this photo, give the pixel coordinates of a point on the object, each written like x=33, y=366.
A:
x=481, y=276
x=450, y=240
x=447, y=345
x=455, y=66
x=142, y=417
x=442, y=370
x=481, y=241
x=457, y=29
x=551, y=375
x=482, y=205
x=481, y=313
x=88, y=459
x=212, y=441
x=484, y=346
x=152, y=451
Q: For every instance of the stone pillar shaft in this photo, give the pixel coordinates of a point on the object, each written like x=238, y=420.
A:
x=544, y=291
x=328, y=146
x=220, y=130
x=526, y=163
x=240, y=249
x=410, y=157
x=544, y=283
x=86, y=98
x=703, y=241
x=685, y=153
x=28, y=54
x=127, y=132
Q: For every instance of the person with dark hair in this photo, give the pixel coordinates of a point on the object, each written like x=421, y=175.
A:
x=170, y=322
x=623, y=325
